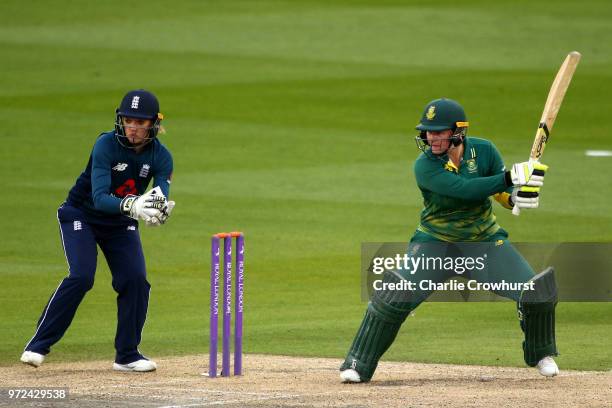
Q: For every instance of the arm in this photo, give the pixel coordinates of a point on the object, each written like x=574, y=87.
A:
x=522, y=196
x=496, y=166
x=163, y=178
x=101, y=180
x=440, y=181
x=163, y=173
x=137, y=207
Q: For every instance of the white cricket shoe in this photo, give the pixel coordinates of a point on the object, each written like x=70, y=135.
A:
x=350, y=376
x=32, y=358
x=140, y=366
x=548, y=367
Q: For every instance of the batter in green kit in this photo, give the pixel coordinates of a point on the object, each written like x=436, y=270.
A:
x=457, y=176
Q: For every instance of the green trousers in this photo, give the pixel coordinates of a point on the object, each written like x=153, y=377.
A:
x=388, y=309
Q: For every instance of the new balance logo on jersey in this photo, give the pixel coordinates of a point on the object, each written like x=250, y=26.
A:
x=77, y=225
x=144, y=171
x=120, y=166
x=131, y=228
x=135, y=101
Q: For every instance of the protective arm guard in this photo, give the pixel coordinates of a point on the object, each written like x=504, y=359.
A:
x=536, y=309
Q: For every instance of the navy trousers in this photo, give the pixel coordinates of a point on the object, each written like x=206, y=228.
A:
x=122, y=249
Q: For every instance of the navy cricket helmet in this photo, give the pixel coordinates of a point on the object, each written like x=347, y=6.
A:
x=138, y=104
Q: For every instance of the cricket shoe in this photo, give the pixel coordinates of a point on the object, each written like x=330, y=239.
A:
x=548, y=367
x=32, y=358
x=140, y=366
x=350, y=376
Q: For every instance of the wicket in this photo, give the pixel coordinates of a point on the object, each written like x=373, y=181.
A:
x=227, y=302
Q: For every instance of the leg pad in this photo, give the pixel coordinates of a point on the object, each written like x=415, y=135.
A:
x=537, y=315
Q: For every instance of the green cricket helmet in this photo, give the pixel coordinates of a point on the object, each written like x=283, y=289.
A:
x=442, y=114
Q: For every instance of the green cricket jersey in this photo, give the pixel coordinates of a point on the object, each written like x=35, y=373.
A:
x=457, y=203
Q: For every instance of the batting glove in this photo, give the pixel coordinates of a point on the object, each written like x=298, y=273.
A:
x=529, y=173
x=525, y=197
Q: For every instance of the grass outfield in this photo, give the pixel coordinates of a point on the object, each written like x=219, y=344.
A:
x=293, y=121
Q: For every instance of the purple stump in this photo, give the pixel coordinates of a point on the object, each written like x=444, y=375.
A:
x=214, y=306
x=239, y=304
x=227, y=303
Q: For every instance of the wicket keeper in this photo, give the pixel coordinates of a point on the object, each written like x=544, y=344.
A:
x=102, y=210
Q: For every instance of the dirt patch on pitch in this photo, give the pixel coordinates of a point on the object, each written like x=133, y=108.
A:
x=277, y=381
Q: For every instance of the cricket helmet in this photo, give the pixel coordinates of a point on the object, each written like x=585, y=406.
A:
x=139, y=104
x=442, y=114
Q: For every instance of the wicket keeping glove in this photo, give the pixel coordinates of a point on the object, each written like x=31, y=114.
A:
x=529, y=173
x=143, y=207
x=153, y=222
x=164, y=213
x=525, y=197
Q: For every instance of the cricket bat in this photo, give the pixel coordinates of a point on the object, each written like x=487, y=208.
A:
x=551, y=108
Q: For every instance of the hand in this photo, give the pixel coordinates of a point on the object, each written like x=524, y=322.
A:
x=145, y=207
x=525, y=197
x=153, y=221
x=162, y=217
x=166, y=211
x=529, y=173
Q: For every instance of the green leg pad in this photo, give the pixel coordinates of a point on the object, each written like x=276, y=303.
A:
x=374, y=337
x=385, y=314
x=537, y=314
x=539, y=329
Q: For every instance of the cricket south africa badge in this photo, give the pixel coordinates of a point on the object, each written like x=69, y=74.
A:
x=431, y=112
x=472, y=166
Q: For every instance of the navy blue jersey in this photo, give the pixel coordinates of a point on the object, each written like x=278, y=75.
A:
x=114, y=171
